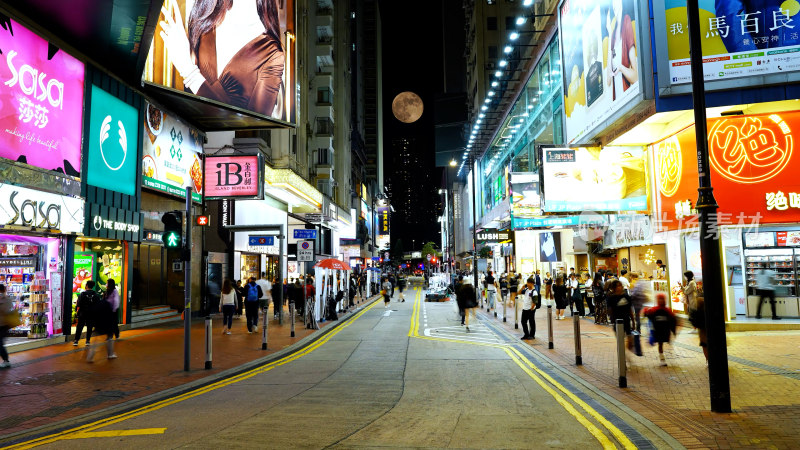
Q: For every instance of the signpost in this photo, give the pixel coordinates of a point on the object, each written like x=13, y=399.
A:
x=305, y=234
x=305, y=251
x=261, y=240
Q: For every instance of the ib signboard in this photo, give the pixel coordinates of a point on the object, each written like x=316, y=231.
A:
x=234, y=176
x=112, y=144
x=758, y=40
x=171, y=154
x=41, y=103
x=754, y=168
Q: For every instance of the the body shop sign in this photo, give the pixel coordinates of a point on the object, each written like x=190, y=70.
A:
x=234, y=176
x=41, y=102
x=754, y=168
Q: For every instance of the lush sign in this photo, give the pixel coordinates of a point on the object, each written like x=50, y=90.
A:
x=41, y=103
x=112, y=146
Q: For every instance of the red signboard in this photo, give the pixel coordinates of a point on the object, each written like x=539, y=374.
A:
x=233, y=176
x=202, y=221
x=754, y=169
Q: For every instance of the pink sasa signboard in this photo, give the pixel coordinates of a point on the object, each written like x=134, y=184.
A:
x=41, y=102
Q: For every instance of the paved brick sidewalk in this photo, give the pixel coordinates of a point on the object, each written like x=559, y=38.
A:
x=764, y=374
x=54, y=383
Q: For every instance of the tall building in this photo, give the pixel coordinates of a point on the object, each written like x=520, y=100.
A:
x=411, y=191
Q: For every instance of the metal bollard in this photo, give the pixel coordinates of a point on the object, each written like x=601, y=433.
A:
x=550, y=326
x=578, y=358
x=208, y=342
x=516, y=314
x=623, y=369
x=264, y=329
x=504, y=308
x=291, y=313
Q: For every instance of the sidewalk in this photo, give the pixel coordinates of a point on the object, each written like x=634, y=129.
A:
x=53, y=383
x=764, y=373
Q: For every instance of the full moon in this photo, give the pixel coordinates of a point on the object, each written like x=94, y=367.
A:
x=407, y=107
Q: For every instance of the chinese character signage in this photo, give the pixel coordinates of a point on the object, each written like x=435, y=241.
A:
x=383, y=220
x=112, y=146
x=739, y=38
x=604, y=46
x=595, y=179
x=171, y=154
x=41, y=102
x=628, y=231
x=233, y=176
x=753, y=170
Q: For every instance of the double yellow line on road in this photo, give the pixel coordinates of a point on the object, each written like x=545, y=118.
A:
x=562, y=395
x=88, y=430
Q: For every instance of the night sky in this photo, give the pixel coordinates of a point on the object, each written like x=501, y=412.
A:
x=413, y=61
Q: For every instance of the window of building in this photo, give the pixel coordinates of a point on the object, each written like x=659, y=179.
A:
x=510, y=22
x=491, y=23
x=323, y=156
x=324, y=126
x=492, y=52
x=324, y=95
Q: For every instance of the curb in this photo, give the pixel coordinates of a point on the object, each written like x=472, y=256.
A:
x=60, y=426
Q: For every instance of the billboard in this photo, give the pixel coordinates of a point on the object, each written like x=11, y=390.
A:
x=604, y=47
x=739, y=38
x=383, y=220
x=236, y=53
x=754, y=170
x=594, y=179
x=234, y=176
x=41, y=103
x=526, y=202
x=171, y=154
x=112, y=148
x=549, y=246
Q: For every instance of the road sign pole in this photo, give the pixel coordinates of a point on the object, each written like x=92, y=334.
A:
x=187, y=282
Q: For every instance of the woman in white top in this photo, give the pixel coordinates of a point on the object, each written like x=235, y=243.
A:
x=227, y=304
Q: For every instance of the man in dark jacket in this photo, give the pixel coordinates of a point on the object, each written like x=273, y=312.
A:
x=252, y=294
x=84, y=310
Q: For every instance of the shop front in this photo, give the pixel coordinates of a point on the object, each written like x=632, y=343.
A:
x=253, y=256
x=548, y=251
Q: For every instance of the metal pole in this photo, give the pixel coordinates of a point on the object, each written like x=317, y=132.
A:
x=623, y=369
x=291, y=313
x=208, y=342
x=280, y=278
x=475, y=232
x=516, y=313
x=718, y=378
x=265, y=324
x=578, y=358
x=504, y=306
x=187, y=282
x=549, y=326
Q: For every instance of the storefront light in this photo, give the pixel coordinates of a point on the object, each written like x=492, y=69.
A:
x=481, y=115
x=498, y=74
x=484, y=107
x=513, y=36
x=503, y=63
x=487, y=100
x=508, y=49
x=495, y=83
x=491, y=93
x=520, y=20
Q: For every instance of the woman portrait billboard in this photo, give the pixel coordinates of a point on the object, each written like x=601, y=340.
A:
x=231, y=51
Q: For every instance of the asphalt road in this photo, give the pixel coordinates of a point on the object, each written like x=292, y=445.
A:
x=407, y=376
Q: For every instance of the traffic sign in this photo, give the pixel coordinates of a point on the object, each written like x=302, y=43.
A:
x=202, y=221
x=261, y=240
x=172, y=239
x=429, y=256
x=305, y=251
x=305, y=234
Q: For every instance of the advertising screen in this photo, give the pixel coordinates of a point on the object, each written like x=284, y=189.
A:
x=595, y=179
x=233, y=176
x=236, y=53
x=112, y=146
x=41, y=103
x=525, y=199
x=171, y=154
x=83, y=271
x=602, y=62
x=739, y=38
x=549, y=246
x=754, y=170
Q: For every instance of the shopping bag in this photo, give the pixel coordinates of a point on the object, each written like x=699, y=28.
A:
x=637, y=343
x=11, y=319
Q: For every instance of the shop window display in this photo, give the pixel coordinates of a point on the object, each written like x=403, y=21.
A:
x=99, y=261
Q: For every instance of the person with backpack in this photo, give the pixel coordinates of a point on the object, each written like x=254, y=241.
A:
x=86, y=302
x=530, y=303
x=105, y=318
x=252, y=294
x=663, y=324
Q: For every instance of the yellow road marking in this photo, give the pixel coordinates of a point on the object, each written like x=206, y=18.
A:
x=117, y=433
x=519, y=358
x=68, y=434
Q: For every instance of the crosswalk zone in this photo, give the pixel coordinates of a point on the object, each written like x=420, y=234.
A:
x=477, y=333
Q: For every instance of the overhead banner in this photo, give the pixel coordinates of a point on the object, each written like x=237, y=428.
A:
x=739, y=39
x=603, y=49
x=594, y=179
x=754, y=168
x=171, y=154
x=252, y=42
x=234, y=176
x=41, y=102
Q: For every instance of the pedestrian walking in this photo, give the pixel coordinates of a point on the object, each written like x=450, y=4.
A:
x=239, y=298
x=251, y=298
x=513, y=287
x=588, y=293
x=619, y=304
x=537, y=283
x=503, y=283
x=626, y=283
x=663, y=324
x=530, y=303
x=560, y=293
x=599, y=293
x=266, y=291
x=392, y=280
x=227, y=305
x=401, y=286
x=386, y=290
x=548, y=288
x=105, y=320
x=765, y=288
x=641, y=294
x=459, y=297
x=575, y=296
x=277, y=304
x=491, y=290
x=468, y=300
x=84, y=310
x=689, y=295
x=9, y=318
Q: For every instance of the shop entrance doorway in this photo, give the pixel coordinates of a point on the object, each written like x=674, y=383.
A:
x=149, y=288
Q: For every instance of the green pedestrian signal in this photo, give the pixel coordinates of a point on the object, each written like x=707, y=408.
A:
x=172, y=239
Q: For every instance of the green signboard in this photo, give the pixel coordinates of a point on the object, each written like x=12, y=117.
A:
x=112, y=146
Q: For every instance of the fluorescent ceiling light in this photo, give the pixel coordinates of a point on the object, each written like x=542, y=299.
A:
x=513, y=36
x=508, y=49
x=520, y=20
x=503, y=63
